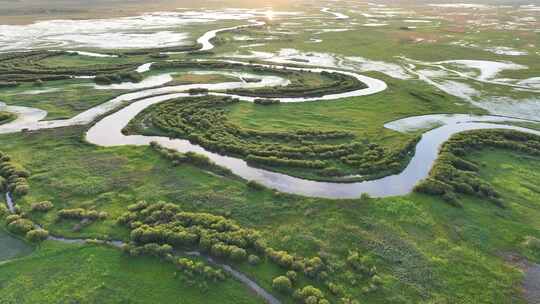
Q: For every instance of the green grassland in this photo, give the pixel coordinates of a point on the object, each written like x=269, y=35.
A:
x=364, y=116
x=97, y=274
x=424, y=249
x=422, y=246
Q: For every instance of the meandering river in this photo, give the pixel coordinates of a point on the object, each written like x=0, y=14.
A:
x=107, y=131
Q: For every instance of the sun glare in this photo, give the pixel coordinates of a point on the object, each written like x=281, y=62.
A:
x=269, y=15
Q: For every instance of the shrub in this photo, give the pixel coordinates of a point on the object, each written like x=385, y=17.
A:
x=282, y=284
x=292, y=275
x=335, y=289
x=365, y=197
x=238, y=254
x=42, y=206
x=3, y=211
x=37, y=235
x=255, y=185
x=253, y=259
x=21, y=190
x=309, y=295
x=20, y=226
x=198, y=91
x=266, y=102
x=331, y=171
x=533, y=243
x=433, y=187
x=192, y=268
x=376, y=280
x=282, y=258
x=3, y=184
x=12, y=218
x=82, y=214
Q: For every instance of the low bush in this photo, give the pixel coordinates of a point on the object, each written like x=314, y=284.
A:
x=37, y=235
x=533, y=244
x=192, y=158
x=266, y=102
x=118, y=78
x=82, y=214
x=198, y=91
x=42, y=206
x=192, y=268
x=20, y=226
x=254, y=260
x=282, y=284
x=13, y=177
x=255, y=185
x=310, y=295
x=292, y=275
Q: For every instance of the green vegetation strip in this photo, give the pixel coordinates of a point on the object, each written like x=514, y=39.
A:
x=303, y=83
x=26, y=67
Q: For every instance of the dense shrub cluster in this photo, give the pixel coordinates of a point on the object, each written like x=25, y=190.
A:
x=8, y=84
x=37, y=235
x=166, y=224
x=452, y=174
x=25, y=227
x=266, y=102
x=118, y=78
x=160, y=50
x=6, y=116
x=332, y=82
x=82, y=214
x=158, y=229
x=282, y=284
x=192, y=268
x=197, y=91
x=163, y=223
x=3, y=211
x=366, y=268
x=203, y=121
x=310, y=295
x=152, y=249
x=13, y=177
x=27, y=67
x=19, y=225
x=187, y=266
x=192, y=158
